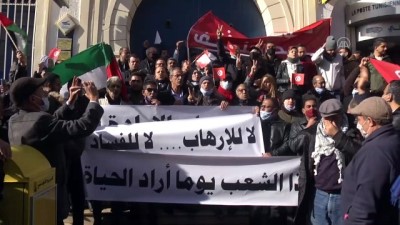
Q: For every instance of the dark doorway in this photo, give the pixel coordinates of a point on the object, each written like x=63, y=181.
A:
x=173, y=19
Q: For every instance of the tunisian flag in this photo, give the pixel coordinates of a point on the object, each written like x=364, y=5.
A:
x=203, y=35
x=298, y=79
x=389, y=71
x=219, y=73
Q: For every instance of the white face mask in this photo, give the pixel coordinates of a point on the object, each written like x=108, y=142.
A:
x=46, y=104
x=354, y=92
x=206, y=93
x=225, y=84
x=319, y=90
x=264, y=115
x=361, y=129
x=289, y=108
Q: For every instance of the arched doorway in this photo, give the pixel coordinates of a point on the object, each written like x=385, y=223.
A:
x=173, y=19
x=278, y=17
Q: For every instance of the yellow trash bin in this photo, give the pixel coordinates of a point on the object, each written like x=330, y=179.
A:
x=29, y=189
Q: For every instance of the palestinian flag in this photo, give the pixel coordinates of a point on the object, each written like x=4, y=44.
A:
x=389, y=71
x=19, y=36
x=96, y=64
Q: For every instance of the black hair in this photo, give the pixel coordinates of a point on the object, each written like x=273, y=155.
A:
x=394, y=89
x=378, y=42
x=306, y=98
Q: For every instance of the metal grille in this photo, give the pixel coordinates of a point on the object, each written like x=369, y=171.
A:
x=22, y=12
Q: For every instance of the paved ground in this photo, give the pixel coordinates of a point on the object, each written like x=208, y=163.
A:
x=188, y=216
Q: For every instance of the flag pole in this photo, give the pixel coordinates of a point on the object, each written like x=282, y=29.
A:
x=9, y=35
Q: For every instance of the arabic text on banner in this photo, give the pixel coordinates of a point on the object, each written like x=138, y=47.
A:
x=132, y=114
x=141, y=177
x=234, y=135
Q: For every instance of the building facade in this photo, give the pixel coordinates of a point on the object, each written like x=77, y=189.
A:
x=121, y=23
x=111, y=21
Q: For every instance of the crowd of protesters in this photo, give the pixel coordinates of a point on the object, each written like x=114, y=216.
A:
x=340, y=121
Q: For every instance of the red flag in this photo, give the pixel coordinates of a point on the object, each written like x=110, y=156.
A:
x=203, y=33
x=298, y=78
x=54, y=53
x=389, y=71
x=203, y=59
x=305, y=36
x=219, y=73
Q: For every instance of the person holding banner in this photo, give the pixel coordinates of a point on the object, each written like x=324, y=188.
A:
x=242, y=97
x=31, y=125
x=113, y=92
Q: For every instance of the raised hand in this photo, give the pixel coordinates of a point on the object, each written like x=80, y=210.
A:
x=91, y=91
x=260, y=43
x=74, y=90
x=238, y=61
x=219, y=31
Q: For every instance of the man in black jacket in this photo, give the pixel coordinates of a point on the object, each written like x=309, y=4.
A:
x=326, y=150
x=391, y=94
x=366, y=193
x=275, y=131
x=32, y=126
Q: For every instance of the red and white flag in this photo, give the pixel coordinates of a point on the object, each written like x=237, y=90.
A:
x=389, y=71
x=54, y=53
x=219, y=73
x=298, y=79
x=203, y=59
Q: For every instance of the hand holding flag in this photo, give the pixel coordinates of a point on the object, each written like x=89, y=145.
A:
x=219, y=73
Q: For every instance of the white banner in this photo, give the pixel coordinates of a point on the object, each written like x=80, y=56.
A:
x=136, y=177
x=131, y=114
x=235, y=135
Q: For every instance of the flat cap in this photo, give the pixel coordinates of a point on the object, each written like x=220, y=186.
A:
x=23, y=87
x=374, y=107
x=330, y=107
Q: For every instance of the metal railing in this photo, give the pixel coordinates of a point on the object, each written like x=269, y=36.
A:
x=22, y=12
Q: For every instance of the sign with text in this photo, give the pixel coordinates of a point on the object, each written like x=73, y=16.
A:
x=131, y=114
x=159, y=178
x=234, y=135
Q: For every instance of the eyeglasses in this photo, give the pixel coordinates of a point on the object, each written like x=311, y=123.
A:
x=151, y=89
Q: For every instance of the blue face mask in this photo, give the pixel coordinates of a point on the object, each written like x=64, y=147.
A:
x=264, y=115
x=319, y=90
